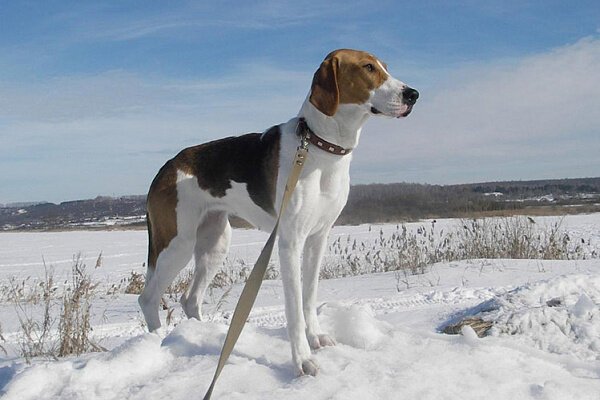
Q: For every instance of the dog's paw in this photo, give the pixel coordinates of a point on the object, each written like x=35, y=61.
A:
x=309, y=367
x=326, y=340
x=320, y=340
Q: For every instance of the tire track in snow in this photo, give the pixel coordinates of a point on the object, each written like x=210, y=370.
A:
x=274, y=317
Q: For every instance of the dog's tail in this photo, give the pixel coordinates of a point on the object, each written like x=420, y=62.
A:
x=151, y=249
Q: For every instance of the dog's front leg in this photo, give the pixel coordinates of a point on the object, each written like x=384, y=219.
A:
x=289, y=257
x=311, y=265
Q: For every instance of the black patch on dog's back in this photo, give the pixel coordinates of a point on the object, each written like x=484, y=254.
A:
x=252, y=159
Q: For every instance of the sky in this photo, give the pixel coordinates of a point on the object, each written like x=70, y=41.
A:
x=96, y=96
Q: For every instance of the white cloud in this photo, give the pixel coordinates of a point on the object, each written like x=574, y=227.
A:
x=502, y=120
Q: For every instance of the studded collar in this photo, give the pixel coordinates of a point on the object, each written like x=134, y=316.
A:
x=305, y=131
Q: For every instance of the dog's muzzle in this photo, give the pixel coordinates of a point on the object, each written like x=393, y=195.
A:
x=409, y=98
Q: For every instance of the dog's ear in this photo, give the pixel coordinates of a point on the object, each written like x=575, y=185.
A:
x=325, y=93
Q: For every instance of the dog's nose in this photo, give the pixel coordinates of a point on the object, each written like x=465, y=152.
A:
x=410, y=96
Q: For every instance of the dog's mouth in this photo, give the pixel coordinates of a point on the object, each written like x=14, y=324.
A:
x=401, y=112
x=405, y=110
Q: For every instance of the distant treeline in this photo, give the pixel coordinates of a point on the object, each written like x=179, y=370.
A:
x=366, y=203
x=410, y=201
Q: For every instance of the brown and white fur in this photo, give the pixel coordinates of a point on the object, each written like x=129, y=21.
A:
x=192, y=195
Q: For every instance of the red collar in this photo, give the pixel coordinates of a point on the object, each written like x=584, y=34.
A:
x=305, y=131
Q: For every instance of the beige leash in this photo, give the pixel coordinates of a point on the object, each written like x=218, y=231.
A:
x=248, y=296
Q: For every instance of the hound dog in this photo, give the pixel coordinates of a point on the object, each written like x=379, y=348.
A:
x=192, y=195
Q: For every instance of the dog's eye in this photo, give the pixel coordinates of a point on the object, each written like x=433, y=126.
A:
x=370, y=67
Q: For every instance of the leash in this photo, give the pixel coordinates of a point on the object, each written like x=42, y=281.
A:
x=250, y=291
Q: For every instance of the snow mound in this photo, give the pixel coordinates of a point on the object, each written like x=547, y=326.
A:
x=353, y=325
x=560, y=315
x=130, y=364
x=136, y=368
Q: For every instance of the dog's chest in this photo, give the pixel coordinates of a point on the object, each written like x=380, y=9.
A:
x=324, y=192
x=334, y=186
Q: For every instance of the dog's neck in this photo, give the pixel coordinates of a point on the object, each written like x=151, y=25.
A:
x=342, y=129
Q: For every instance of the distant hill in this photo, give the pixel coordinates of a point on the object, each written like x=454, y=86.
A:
x=366, y=203
x=99, y=212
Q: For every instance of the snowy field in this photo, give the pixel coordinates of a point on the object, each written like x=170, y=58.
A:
x=545, y=343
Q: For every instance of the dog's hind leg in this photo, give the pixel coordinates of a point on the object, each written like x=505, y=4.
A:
x=169, y=263
x=169, y=252
x=213, y=237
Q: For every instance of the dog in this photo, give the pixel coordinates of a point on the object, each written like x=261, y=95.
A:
x=193, y=194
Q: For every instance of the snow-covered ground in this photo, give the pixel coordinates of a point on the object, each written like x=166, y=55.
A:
x=387, y=327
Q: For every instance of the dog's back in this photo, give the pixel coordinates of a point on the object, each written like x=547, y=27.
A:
x=252, y=159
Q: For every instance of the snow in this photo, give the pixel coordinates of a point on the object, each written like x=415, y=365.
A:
x=545, y=342
x=571, y=326
x=353, y=325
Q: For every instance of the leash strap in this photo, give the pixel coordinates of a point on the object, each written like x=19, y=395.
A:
x=250, y=291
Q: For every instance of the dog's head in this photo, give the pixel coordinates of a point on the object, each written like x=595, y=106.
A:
x=355, y=77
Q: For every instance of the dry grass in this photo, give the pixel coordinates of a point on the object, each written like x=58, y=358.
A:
x=27, y=290
x=74, y=325
x=35, y=339
x=412, y=252
x=135, y=283
x=62, y=327
x=180, y=284
x=233, y=271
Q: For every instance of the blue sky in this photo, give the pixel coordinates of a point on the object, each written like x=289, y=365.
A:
x=96, y=96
